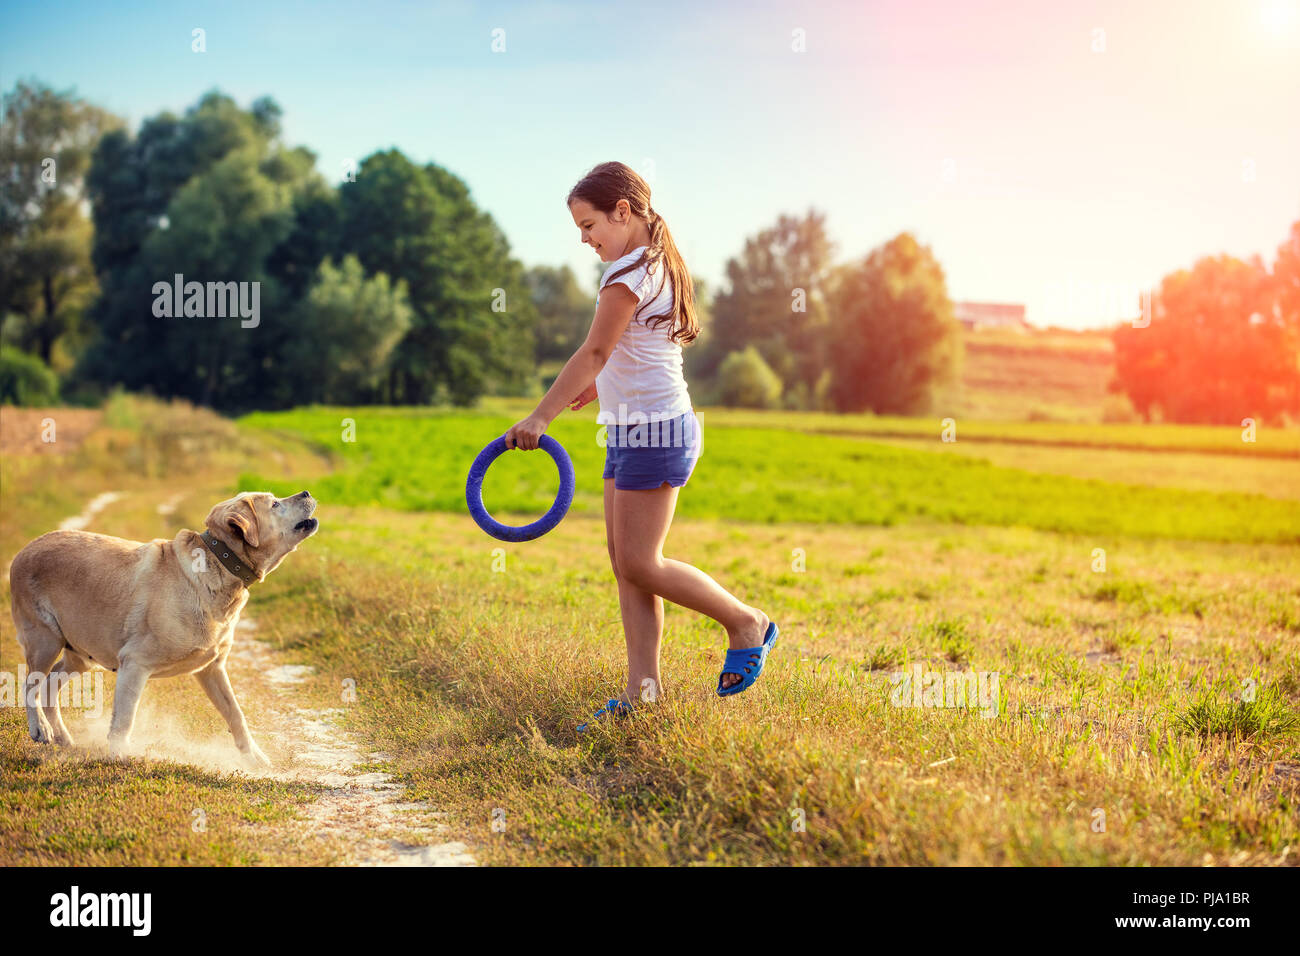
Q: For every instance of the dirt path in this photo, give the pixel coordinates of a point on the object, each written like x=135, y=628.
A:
x=365, y=810
x=364, y=814
x=93, y=507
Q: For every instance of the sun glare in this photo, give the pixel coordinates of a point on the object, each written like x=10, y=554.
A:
x=1279, y=16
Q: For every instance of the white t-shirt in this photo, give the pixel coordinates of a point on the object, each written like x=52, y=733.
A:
x=644, y=372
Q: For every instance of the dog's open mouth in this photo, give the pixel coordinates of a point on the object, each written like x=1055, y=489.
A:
x=307, y=524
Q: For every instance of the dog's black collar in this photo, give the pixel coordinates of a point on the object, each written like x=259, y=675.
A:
x=245, y=574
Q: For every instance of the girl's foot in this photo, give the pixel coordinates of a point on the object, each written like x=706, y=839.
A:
x=648, y=692
x=749, y=635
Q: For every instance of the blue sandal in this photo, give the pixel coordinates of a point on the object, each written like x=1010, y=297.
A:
x=613, y=706
x=747, y=662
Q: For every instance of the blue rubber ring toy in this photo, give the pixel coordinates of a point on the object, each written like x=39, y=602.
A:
x=503, y=532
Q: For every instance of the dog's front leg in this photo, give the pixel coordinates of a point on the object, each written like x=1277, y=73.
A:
x=216, y=684
x=131, y=678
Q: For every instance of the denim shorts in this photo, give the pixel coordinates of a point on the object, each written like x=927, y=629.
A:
x=644, y=456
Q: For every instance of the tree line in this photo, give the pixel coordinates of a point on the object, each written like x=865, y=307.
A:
x=124, y=258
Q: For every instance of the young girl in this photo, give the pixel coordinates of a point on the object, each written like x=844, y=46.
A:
x=632, y=362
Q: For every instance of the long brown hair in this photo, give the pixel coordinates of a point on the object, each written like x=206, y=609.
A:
x=603, y=187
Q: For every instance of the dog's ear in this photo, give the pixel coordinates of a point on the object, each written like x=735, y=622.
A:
x=242, y=519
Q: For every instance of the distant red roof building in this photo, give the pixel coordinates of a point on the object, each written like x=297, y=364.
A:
x=990, y=315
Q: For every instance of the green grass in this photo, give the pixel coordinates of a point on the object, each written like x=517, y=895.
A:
x=1274, y=477
x=1210, y=439
x=952, y=636
x=884, y=657
x=1267, y=713
x=417, y=460
x=1142, y=596
x=98, y=812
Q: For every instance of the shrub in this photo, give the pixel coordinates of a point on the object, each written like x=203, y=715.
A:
x=746, y=381
x=26, y=380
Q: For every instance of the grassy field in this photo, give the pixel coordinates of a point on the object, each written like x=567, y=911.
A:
x=1272, y=477
x=777, y=470
x=1146, y=714
x=1280, y=443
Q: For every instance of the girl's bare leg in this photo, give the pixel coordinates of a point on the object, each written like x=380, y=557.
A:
x=643, y=621
x=638, y=527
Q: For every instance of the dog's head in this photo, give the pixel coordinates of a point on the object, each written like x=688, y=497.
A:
x=262, y=527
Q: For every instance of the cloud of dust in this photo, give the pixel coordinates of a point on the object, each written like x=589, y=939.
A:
x=160, y=736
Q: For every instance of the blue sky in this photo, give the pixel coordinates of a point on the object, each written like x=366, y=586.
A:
x=1042, y=162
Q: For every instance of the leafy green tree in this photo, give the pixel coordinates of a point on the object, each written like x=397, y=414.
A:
x=46, y=276
x=473, y=320
x=223, y=226
x=746, y=381
x=214, y=197
x=893, y=337
x=564, y=311
x=777, y=302
x=313, y=237
x=345, y=332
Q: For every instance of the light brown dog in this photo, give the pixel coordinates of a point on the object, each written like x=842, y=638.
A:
x=147, y=610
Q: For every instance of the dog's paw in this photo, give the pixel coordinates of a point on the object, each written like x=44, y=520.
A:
x=118, y=750
x=41, y=734
x=40, y=729
x=254, y=758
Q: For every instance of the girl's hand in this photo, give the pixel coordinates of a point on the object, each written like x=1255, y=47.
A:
x=588, y=395
x=524, y=435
